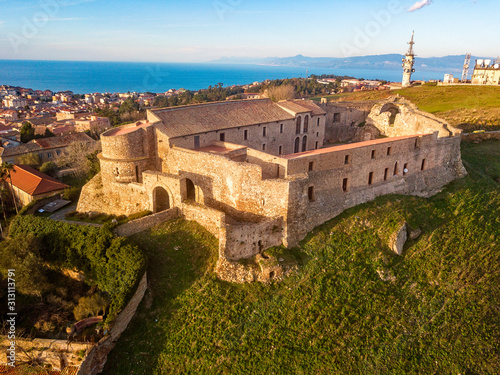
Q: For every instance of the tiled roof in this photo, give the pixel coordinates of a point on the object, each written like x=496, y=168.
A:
x=34, y=182
x=301, y=106
x=53, y=142
x=194, y=119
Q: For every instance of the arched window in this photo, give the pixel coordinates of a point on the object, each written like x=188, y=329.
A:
x=298, y=124
x=304, y=143
x=297, y=145
x=306, y=124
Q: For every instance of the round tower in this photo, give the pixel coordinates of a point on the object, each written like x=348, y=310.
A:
x=126, y=152
x=408, y=63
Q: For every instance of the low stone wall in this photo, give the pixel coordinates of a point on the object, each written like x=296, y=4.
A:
x=144, y=223
x=211, y=219
x=96, y=359
x=57, y=353
x=248, y=239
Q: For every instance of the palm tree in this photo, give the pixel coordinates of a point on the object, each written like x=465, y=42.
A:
x=5, y=171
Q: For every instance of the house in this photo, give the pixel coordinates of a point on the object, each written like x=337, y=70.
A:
x=47, y=149
x=29, y=184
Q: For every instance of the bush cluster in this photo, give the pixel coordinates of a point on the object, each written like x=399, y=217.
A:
x=111, y=263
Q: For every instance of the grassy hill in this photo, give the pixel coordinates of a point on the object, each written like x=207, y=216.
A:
x=353, y=307
x=466, y=107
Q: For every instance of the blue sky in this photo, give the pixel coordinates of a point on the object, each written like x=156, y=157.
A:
x=197, y=31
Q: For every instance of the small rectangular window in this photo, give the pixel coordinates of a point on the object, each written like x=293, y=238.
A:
x=311, y=166
x=317, y=122
x=264, y=131
x=373, y=154
x=396, y=169
x=222, y=137
x=386, y=173
x=281, y=128
x=316, y=145
x=345, y=187
x=417, y=143
x=423, y=165
x=389, y=150
x=405, y=169
x=196, y=141
x=263, y=147
x=317, y=134
x=336, y=117
x=347, y=159
x=310, y=193
x=370, y=178
x=245, y=135
x=280, y=150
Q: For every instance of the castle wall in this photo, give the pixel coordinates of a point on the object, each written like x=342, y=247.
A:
x=233, y=187
x=275, y=136
x=342, y=119
x=328, y=199
x=245, y=240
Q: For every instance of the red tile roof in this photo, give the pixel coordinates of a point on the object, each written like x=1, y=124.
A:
x=34, y=182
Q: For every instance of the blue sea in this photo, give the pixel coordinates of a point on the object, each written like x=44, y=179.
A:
x=83, y=77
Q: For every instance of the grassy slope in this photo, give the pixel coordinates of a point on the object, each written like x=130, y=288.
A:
x=466, y=107
x=440, y=315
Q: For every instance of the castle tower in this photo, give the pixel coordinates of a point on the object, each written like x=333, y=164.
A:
x=408, y=62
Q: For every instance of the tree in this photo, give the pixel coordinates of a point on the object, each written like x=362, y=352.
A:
x=49, y=168
x=5, y=171
x=75, y=157
x=27, y=132
x=30, y=159
x=277, y=93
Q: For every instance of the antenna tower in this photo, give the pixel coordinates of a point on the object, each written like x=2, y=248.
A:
x=465, y=72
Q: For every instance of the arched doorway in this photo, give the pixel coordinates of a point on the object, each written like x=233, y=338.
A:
x=190, y=190
x=304, y=143
x=297, y=145
x=161, y=200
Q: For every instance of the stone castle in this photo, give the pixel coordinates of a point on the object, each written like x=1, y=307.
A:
x=259, y=174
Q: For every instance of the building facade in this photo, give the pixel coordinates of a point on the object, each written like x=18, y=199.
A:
x=255, y=173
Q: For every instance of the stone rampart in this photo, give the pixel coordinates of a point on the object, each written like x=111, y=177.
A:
x=145, y=223
x=96, y=359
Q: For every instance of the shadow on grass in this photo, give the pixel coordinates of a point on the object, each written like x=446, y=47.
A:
x=179, y=253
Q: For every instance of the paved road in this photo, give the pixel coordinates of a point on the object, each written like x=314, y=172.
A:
x=59, y=216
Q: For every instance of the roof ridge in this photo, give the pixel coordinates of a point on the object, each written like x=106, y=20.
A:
x=207, y=104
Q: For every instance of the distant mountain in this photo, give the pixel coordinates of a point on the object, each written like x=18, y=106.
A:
x=446, y=64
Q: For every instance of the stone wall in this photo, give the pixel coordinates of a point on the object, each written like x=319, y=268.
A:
x=96, y=359
x=211, y=219
x=244, y=240
x=113, y=198
x=145, y=223
x=276, y=134
x=343, y=119
x=397, y=116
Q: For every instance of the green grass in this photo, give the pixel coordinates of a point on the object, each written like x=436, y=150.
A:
x=439, y=315
x=466, y=107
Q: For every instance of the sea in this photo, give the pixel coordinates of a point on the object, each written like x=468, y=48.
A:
x=84, y=77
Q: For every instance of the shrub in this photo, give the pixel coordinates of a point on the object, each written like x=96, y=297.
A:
x=91, y=306
x=111, y=263
x=72, y=193
x=49, y=168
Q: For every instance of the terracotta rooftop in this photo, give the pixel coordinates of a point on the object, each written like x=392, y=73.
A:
x=349, y=146
x=34, y=182
x=127, y=129
x=202, y=118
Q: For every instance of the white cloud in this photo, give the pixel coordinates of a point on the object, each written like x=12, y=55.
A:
x=419, y=5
